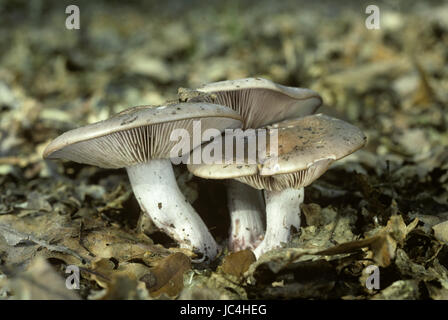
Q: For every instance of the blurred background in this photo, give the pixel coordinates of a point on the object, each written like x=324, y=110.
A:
x=391, y=82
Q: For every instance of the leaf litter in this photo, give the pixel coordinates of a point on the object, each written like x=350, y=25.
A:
x=386, y=205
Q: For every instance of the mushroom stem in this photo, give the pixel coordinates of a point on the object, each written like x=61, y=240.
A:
x=155, y=187
x=282, y=213
x=245, y=206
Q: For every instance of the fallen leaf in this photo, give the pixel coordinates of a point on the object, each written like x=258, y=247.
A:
x=40, y=282
x=123, y=287
x=101, y=271
x=237, y=263
x=399, y=290
x=441, y=231
x=383, y=249
x=167, y=277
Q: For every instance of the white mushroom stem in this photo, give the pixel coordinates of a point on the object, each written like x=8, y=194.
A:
x=282, y=213
x=246, y=211
x=155, y=187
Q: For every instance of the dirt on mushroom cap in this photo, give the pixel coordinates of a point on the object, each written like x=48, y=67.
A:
x=306, y=147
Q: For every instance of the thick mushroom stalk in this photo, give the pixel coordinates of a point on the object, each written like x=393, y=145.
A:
x=245, y=206
x=282, y=213
x=306, y=148
x=138, y=139
x=156, y=190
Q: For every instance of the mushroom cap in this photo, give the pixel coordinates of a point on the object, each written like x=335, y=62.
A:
x=259, y=101
x=139, y=134
x=306, y=148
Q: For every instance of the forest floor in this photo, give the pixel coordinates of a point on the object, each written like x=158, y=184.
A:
x=386, y=205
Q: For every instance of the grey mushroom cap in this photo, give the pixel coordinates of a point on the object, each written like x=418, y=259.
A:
x=259, y=101
x=138, y=134
x=306, y=148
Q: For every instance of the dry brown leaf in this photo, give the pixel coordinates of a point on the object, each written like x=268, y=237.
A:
x=383, y=249
x=348, y=247
x=41, y=282
x=123, y=287
x=101, y=272
x=441, y=231
x=383, y=245
x=396, y=228
x=237, y=263
x=122, y=245
x=424, y=95
x=167, y=277
x=104, y=271
x=399, y=290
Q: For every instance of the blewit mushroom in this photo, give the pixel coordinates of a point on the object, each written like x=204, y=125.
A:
x=138, y=139
x=245, y=205
x=306, y=148
x=260, y=102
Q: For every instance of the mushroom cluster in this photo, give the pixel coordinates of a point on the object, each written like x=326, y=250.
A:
x=306, y=148
x=140, y=140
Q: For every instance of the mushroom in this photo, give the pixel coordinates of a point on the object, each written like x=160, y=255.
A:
x=306, y=148
x=246, y=209
x=260, y=102
x=139, y=140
